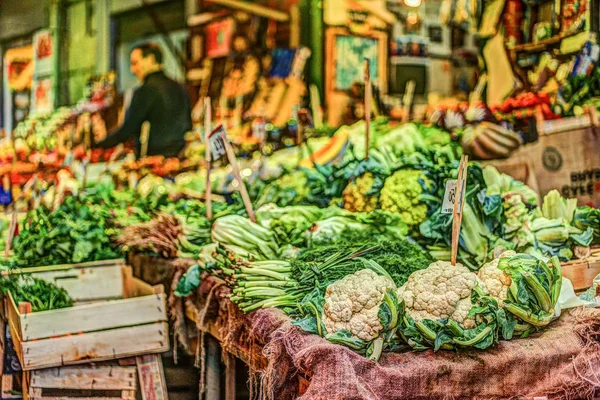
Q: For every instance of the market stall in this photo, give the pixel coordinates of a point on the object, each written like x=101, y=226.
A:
x=287, y=362
x=438, y=237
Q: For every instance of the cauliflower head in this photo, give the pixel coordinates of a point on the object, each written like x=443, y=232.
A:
x=401, y=194
x=353, y=304
x=496, y=281
x=355, y=196
x=440, y=291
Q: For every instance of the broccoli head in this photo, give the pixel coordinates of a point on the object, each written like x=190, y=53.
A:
x=401, y=194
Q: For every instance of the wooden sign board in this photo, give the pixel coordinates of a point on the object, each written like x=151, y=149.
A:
x=152, y=378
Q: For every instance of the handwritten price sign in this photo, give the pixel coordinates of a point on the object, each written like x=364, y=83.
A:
x=450, y=197
x=216, y=142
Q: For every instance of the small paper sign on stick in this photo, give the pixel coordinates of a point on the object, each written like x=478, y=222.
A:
x=368, y=96
x=152, y=377
x=26, y=188
x=12, y=229
x=144, y=139
x=84, y=169
x=408, y=100
x=259, y=131
x=207, y=150
x=216, y=142
x=449, y=197
x=220, y=131
x=459, y=204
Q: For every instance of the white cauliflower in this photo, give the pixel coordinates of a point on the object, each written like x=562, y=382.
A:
x=496, y=281
x=353, y=304
x=440, y=291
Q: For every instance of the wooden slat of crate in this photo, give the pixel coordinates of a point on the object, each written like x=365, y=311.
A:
x=14, y=324
x=93, y=317
x=2, y=337
x=139, y=288
x=89, y=264
x=84, y=283
x=90, y=378
x=82, y=378
x=96, y=346
x=582, y=272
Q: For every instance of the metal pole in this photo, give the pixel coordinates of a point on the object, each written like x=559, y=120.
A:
x=102, y=36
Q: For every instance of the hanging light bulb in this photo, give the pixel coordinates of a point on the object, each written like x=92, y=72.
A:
x=412, y=3
x=412, y=18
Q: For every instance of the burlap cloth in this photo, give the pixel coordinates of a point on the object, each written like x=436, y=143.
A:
x=563, y=362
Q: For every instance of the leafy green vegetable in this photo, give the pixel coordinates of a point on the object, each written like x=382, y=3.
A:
x=588, y=217
x=556, y=207
x=73, y=233
x=42, y=295
x=189, y=282
x=534, y=290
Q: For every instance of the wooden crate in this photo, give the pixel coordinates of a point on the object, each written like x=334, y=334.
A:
x=582, y=272
x=97, y=382
x=94, y=329
x=85, y=282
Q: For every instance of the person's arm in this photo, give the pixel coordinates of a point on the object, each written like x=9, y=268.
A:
x=134, y=118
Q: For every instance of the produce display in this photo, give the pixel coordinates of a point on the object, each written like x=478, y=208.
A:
x=356, y=251
x=38, y=133
x=381, y=227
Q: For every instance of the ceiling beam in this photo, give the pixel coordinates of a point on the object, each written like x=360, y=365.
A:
x=255, y=9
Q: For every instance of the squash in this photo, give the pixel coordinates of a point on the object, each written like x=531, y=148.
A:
x=330, y=151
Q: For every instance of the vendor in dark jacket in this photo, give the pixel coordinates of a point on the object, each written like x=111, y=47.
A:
x=161, y=101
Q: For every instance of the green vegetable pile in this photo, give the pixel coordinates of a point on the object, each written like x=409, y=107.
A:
x=71, y=234
x=42, y=295
x=286, y=283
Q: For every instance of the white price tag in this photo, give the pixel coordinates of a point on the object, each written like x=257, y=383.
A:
x=132, y=180
x=83, y=165
x=217, y=143
x=450, y=197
